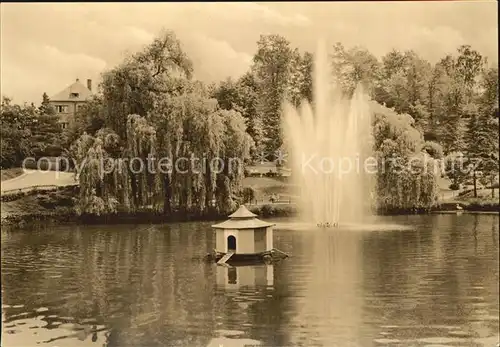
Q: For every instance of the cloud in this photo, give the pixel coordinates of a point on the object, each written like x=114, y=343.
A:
x=46, y=46
x=214, y=58
x=139, y=34
x=250, y=12
x=54, y=57
x=32, y=69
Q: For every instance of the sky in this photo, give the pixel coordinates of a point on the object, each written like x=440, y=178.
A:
x=45, y=47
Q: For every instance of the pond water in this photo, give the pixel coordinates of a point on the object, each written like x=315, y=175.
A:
x=433, y=284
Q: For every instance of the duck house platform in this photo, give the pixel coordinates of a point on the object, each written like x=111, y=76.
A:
x=244, y=238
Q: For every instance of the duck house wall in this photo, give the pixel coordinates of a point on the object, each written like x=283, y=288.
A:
x=260, y=239
x=220, y=241
x=244, y=240
x=269, y=238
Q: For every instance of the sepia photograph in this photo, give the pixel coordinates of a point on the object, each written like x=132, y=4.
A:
x=237, y=174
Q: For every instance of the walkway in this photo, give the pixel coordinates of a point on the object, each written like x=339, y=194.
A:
x=35, y=178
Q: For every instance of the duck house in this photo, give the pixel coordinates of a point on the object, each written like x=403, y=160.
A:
x=244, y=237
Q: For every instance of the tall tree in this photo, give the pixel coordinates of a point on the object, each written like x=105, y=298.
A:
x=46, y=107
x=161, y=68
x=306, y=81
x=483, y=134
x=46, y=131
x=448, y=105
x=468, y=66
x=404, y=86
x=272, y=67
x=355, y=66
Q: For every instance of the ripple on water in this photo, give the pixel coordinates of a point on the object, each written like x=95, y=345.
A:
x=438, y=340
x=386, y=341
x=346, y=226
x=224, y=341
x=460, y=333
x=229, y=333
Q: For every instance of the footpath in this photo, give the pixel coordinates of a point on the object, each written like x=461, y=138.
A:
x=36, y=179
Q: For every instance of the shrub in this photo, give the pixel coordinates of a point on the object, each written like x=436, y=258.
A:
x=275, y=210
x=454, y=186
x=434, y=149
x=483, y=205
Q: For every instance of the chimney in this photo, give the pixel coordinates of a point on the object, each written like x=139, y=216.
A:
x=89, y=84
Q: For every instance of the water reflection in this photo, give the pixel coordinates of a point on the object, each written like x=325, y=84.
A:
x=146, y=286
x=235, y=277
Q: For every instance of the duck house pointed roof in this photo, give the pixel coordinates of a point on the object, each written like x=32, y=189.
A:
x=242, y=218
x=242, y=212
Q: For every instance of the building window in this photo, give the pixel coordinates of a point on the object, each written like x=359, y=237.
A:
x=64, y=125
x=74, y=95
x=62, y=108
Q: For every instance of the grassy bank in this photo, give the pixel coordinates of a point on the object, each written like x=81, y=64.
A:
x=36, y=208
x=7, y=174
x=471, y=204
x=46, y=208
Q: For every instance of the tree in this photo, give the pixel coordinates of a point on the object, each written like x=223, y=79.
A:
x=448, y=105
x=161, y=68
x=16, y=136
x=293, y=88
x=402, y=183
x=248, y=107
x=46, y=107
x=46, y=136
x=89, y=118
x=227, y=94
x=306, y=80
x=434, y=149
x=46, y=131
x=271, y=68
x=468, y=66
x=241, y=96
x=488, y=108
x=482, y=145
x=355, y=66
x=404, y=86
x=177, y=132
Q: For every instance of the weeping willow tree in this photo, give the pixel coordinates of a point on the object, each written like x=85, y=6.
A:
x=98, y=189
x=407, y=176
x=200, y=175
x=168, y=147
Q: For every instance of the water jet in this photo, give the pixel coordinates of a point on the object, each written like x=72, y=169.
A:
x=330, y=142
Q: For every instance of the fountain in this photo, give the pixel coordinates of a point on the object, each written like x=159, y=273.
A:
x=330, y=142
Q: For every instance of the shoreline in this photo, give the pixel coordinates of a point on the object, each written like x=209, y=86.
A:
x=45, y=208
x=67, y=216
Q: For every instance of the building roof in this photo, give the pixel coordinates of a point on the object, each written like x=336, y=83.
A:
x=242, y=212
x=242, y=219
x=77, y=87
